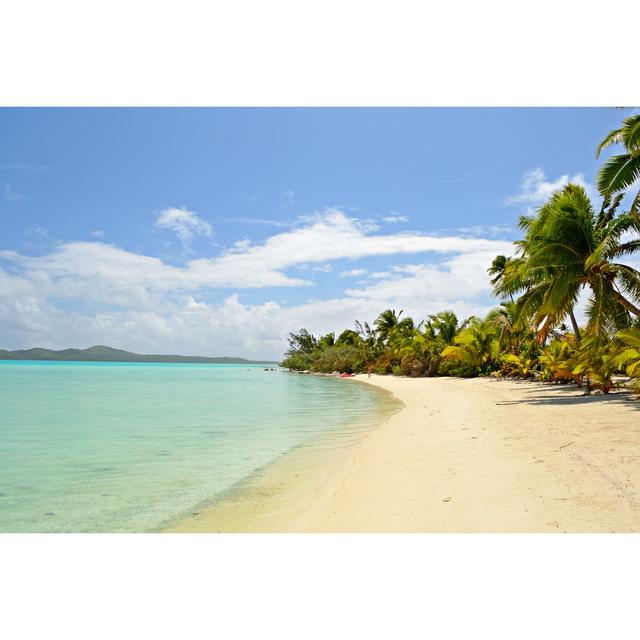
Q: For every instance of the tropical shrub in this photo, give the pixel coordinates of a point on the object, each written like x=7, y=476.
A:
x=628, y=357
x=597, y=360
x=477, y=346
x=557, y=363
x=513, y=366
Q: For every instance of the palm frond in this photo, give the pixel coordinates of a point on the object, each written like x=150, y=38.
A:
x=613, y=137
x=631, y=134
x=635, y=205
x=629, y=279
x=618, y=173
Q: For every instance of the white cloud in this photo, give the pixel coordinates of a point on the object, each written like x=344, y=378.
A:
x=425, y=286
x=101, y=268
x=140, y=303
x=491, y=230
x=406, y=268
x=368, y=226
x=98, y=233
x=191, y=327
x=332, y=235
x=395, y=218
x=184, y=223
x=353, y=273
x=535, y=188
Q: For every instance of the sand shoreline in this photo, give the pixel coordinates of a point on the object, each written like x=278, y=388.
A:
x=475, y=455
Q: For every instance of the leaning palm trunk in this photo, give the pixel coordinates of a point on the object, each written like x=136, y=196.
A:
x=627, y=304
x=576, y=328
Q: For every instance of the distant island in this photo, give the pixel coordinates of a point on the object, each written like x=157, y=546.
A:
x=101, y=353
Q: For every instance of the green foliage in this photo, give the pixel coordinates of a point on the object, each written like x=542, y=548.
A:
x=557, y=363
x=597, y=359
x=568, y=247
x=628, y=357
x=476, y=346
x=620, y=172
x=514, y=366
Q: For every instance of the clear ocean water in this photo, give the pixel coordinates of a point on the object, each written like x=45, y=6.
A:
x=128, y=447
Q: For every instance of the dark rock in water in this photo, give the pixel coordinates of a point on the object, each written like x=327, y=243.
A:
x=50, y=513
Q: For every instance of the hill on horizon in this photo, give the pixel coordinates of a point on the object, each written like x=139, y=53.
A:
x=102, y=353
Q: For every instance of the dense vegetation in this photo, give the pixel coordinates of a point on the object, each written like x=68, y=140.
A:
x=569, y=248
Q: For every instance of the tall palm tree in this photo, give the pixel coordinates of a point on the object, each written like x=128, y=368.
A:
x=386, y=323
x=513, y=330
x=420, y=353
x=619, y=172
x=445, y=326
x=569, y=247
x=507, y=275
x=499, y=269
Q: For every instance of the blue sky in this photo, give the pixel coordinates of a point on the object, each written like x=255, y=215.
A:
x=217, y=231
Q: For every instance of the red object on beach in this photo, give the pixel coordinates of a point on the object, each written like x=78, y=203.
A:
x=347, y=375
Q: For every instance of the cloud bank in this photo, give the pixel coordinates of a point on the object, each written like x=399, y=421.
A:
x=83, y=293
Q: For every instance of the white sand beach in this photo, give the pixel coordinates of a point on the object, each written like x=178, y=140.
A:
x=477, y=455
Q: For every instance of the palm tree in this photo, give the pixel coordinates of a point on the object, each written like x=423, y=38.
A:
x=499, y=269
x=419, y=353
x=514, y=331
x=386, y=322
x=367, y=334
x=476, y=346
x=445, y=326
x=568, y=247
x=349, y=337
x=619, y=172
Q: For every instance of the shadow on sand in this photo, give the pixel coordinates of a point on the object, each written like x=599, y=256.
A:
x=547, y=395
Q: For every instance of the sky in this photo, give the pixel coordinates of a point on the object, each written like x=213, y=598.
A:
x=218, y=231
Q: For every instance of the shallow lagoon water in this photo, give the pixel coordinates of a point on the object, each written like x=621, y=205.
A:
x=128, y=446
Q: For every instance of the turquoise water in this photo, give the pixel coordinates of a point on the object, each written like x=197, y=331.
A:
x=128, y=447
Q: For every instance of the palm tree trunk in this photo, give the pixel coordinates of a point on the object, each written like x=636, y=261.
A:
x=576, y=329
x=629, y=306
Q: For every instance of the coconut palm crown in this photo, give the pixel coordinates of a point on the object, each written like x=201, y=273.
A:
x=569, y=247
x=620, y=171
